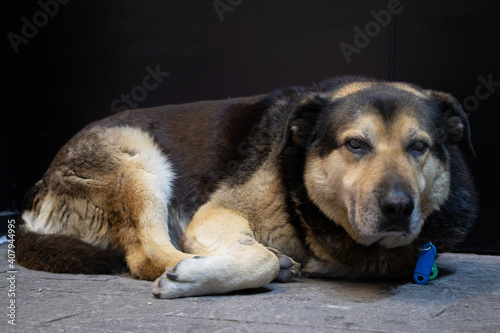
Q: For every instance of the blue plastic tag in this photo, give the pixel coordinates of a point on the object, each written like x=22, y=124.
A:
x=425, y=263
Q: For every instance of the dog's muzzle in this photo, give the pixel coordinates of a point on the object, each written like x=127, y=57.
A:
x=397, y=208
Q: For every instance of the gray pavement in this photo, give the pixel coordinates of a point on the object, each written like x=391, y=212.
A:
x=464, y=298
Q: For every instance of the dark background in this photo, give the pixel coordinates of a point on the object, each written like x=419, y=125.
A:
x=91, y=52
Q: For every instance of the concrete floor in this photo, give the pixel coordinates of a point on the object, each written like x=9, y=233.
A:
x=464, y=298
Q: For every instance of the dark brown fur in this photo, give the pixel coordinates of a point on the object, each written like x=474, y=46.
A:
x=254, y=169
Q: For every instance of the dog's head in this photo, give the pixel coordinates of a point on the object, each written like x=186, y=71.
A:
x=377, y=156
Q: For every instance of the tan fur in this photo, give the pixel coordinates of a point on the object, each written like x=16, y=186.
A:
x=345, y=189
x=408, y=88
x=260, y=200
x=355, y=87
x=350, y=89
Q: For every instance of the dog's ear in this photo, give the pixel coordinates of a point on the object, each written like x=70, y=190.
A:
x=300, y=127
x=455, y=119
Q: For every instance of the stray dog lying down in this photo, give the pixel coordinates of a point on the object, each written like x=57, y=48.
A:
x=337, y=180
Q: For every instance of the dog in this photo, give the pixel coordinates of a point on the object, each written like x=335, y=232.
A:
x=337, y=180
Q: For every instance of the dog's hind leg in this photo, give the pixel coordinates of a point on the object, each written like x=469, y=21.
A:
x=141, y=202
x=106, y=192
x=228, y=257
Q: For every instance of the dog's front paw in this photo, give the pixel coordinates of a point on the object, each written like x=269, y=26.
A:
x=178, y=281
x=289, y=268
x=219, y=274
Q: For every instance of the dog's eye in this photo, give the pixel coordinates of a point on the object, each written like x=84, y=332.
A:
x=418, y=148
x=354, y=144
x=357, y=146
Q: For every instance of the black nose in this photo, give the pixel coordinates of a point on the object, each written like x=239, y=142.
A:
x=396, y=206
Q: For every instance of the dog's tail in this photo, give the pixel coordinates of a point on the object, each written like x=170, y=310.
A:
x=59, y=253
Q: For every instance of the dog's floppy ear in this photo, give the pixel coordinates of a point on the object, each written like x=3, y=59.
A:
x=455, y=119
x=300, y=127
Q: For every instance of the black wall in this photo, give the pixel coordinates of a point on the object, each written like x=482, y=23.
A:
x=83, y=55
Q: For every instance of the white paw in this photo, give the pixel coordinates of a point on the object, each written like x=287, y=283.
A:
x=217, y=274
x=180, y=281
